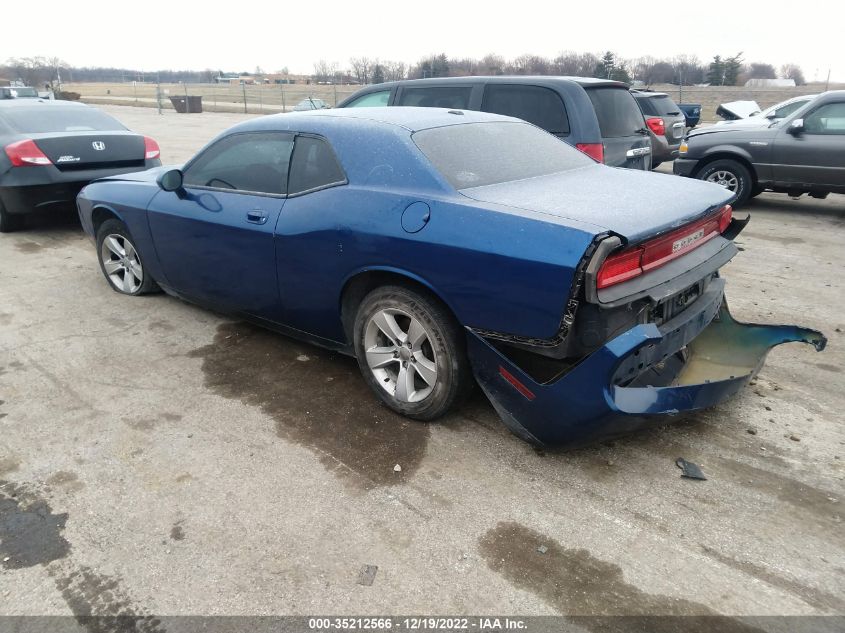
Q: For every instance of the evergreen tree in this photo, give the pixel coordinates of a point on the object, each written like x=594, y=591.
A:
x=378, y=75
x=604, y=69
x=440, y=66
x=716, y=75
x=733, y=66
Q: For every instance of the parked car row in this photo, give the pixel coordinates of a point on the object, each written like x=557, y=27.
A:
x=440, y=246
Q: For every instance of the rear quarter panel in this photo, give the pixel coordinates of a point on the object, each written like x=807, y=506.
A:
x=495, y=270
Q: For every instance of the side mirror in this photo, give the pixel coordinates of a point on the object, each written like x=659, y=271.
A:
x=772, y=115
x=796, y=127
x=170, y=180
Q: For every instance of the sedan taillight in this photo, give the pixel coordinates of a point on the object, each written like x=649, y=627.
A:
x=151, y=149
x=26, y=154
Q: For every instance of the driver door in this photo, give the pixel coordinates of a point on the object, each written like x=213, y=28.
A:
x=214, y=238
x=813, y=156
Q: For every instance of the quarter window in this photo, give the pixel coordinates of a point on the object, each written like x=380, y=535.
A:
x=313, y=166
x=372, y=100
x=828, y=119
x=436, y=97
x=251, y=161
x=535, y=104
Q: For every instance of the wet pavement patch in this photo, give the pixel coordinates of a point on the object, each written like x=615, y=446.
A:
x=177, y=533
x=66, y=480
x=29, y=247
x=576, y=583
x=30, y=534
x=8, y=465
x=322, y=403
x=827, y=367
x=99, y=603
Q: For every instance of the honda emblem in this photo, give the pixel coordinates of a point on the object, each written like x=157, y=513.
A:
x=98, y=145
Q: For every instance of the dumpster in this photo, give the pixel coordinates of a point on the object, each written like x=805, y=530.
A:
x=190, y=104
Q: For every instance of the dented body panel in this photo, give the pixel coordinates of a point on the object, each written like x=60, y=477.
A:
x=597, y=398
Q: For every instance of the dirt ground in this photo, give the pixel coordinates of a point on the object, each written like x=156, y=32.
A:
x=157, y=458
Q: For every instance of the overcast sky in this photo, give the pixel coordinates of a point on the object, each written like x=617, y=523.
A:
x=180, y=34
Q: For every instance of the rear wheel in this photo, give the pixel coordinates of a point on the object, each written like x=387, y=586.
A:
x=8, y=221
x=732, y=175
x=411, y=352
x=121, y=262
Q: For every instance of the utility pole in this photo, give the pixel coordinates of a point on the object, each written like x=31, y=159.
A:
x=284, y=107
x=827, y=83
x=243, y=85
x=158, y=91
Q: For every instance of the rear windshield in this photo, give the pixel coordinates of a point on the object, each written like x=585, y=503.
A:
x=478, y=154
x=664, y=106
x=617, y=112
x=47, y=119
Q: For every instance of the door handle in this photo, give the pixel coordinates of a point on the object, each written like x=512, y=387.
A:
x=256, y=216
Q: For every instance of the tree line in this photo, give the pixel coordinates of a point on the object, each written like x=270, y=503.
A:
x=679, y=70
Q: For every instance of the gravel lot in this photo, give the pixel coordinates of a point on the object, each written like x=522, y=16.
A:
x=157, y=458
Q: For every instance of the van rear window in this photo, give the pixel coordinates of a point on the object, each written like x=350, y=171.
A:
x=617, y=112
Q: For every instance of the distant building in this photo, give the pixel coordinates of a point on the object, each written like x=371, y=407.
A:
x=770, y=83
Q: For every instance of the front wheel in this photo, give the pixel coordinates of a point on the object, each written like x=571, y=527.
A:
x=411, y=352
x=120, y=260
x=732, y=175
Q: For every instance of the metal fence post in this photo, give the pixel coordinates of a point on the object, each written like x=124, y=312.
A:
x=284, y=107
x=244, y=88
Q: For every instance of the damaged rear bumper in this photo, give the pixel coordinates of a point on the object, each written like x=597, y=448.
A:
x=693, y=362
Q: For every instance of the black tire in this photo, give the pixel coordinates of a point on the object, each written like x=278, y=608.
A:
x=117, y=230
x=447, y=348
x=756, y=190
x=732, y=168
x=10, y=222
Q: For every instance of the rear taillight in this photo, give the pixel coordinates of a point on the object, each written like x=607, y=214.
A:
x=151, y=149
x=26, y=154
x=656, y=125
x=593, y=150
x=633, y=262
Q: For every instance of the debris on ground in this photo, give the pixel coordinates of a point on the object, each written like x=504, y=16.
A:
x=751, y=431
x=690, y=470
x=795, y=438
x=397, y=468
x=367, y=575
x=302, y=358
x=542, y=549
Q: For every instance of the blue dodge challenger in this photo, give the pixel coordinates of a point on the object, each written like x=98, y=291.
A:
x=442, y=247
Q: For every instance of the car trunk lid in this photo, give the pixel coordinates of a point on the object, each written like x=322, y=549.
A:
x=92, y=150
x=634, y=205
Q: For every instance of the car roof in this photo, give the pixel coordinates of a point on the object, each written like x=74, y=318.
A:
x=511, y=79
x=410, y=118
x=647, y=94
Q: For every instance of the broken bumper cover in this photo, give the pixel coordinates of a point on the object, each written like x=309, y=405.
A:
x=700, y=358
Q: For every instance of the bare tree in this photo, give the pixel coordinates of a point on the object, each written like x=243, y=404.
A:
x=758, y=70
x=492, y=65
x=394, y=71
x=575, y=64
x=325, y=72
x=794, y=72
x=361, y=69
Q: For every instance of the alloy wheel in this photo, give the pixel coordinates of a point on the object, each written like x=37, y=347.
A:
x=726, y=179
x=121, y=263
x=400, y=354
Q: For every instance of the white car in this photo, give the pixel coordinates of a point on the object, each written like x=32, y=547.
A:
x=755, y=118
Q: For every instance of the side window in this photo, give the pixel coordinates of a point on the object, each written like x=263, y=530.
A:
x=785, y=111
x=251, y=161
x=371, y=100
x=828, y=119
x=436, y=97
x=313, y=165
x=535, y=104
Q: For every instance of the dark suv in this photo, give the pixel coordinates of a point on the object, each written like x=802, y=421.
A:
x=665, y=122
x=802, y=153
x=598, y=116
